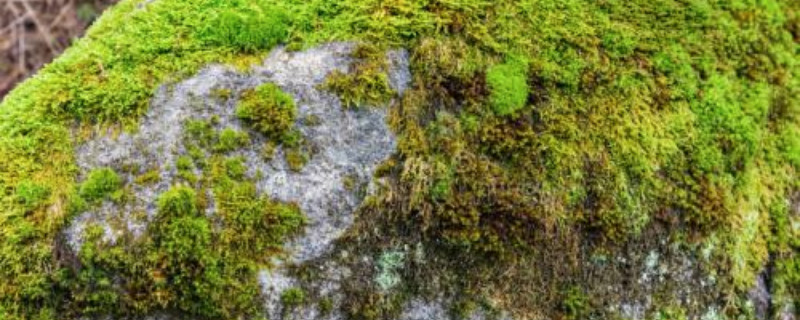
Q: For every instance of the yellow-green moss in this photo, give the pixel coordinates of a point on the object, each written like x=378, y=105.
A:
x=268, y=110
x=682, y=113
x=367, y=83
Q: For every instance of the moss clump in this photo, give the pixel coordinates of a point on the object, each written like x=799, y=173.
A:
x=221, y=94
x=575, y=304
x=200, y=133
x=186, y=169
x=366, y=84
x=293, y=297
x=508, y=83
x=149, y=177
x=268, y=110
x=101, y=184
x=296, y=159
x=231, y=140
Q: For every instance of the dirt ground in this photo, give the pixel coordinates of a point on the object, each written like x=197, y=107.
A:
x=33, y=32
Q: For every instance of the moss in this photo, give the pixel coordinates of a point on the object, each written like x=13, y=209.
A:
x=366, y=84
x=268, y=151
x=293, y=297
x=231, y=140
x=101, y=184
x=268, y=110
x=296, y=159
x=325, y=306
x=200, y=132
x=148, y=178
x=312, y=120
x=246, y=26
x=221, y=94
x=638, y=114
x=183, y=264
x=31, y=195
x=575, y=304
x=508, y=83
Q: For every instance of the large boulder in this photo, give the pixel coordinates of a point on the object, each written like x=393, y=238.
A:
x=359, y=159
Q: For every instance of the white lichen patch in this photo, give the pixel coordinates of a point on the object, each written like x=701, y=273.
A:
x=347, y=147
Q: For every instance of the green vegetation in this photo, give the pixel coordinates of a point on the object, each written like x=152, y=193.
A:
x=508, y=83
x=675, y=116
x=268, y=110
x=293, y=297
x=272, y=112
x=230, y=140
x=188, y=262
x=575, y=304
x=31, y=195
x=367, y=83
x=149, y=177
x=183, y=264
x=101, y=184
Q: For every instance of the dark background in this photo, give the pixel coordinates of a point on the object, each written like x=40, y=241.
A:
x=33, y=32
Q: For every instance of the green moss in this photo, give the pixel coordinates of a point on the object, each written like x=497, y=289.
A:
x=508, y=83
x=312, y=120
x=633, y=112
x=231, y=140
x=184, y=264
x=268, y=151
x=575, y=304
x=325, y=306
x=31, y=195
x=293, y=297
x=366, y=84
x=221, y=94
x=268, y=110
x=246, y=26
x=148, y=178
x=200, y=132
x=101, y=184
x=296, y=159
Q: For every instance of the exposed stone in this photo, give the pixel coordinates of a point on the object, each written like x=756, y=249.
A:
x=347, y=144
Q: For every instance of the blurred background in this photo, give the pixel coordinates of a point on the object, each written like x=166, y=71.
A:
x=33, y=32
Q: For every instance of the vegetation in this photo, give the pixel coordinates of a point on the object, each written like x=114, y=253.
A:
x=508, y=83
x=100, y=184
x=268, y=110
x=528, y=123
x=367, y=83
x=293, y=297
x=183, y=264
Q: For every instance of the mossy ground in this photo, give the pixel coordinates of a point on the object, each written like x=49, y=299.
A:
x=675, y=116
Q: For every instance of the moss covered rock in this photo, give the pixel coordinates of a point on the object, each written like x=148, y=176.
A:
x=363, y=159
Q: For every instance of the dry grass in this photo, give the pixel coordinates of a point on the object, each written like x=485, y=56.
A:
x=33, y=32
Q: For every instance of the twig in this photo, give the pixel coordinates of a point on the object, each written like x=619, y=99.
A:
x=61, y=14
x=45, y=32
x=21, y=50
x=13, y=24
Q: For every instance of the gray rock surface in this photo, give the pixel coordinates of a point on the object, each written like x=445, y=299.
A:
x=347, y=144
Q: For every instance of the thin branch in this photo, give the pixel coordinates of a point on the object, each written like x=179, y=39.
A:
x=21, y=50
x=10, y=27
x=61, y=14
x=44, y=31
